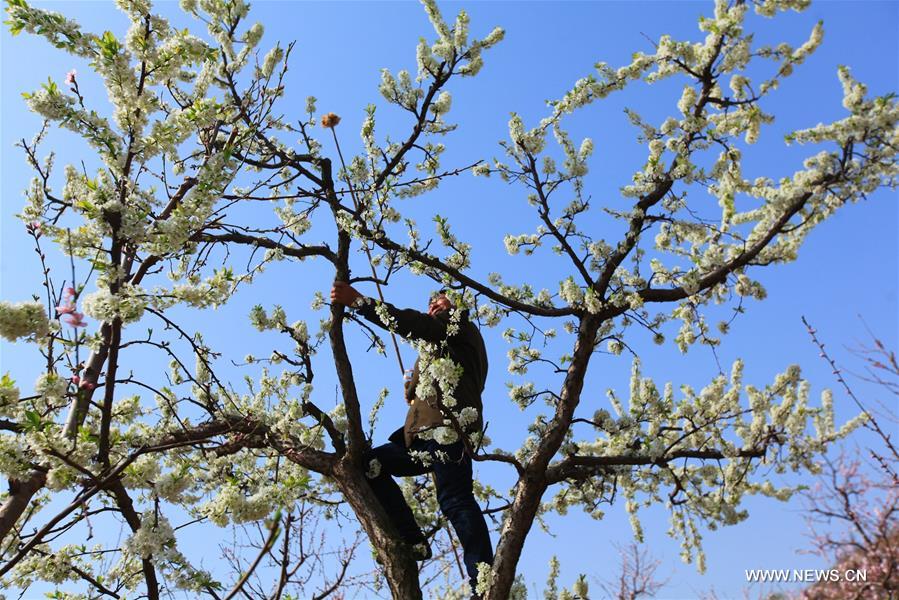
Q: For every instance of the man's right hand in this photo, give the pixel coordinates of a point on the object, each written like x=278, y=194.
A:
x=344, y=293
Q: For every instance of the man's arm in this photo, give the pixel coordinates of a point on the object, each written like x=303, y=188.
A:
x=409, y=323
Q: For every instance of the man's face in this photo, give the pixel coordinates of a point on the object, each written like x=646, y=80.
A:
x=438, y=304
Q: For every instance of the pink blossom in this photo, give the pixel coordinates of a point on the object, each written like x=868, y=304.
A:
x=70, y=77
x=35, y=228
x=75, y=319
x=76, y=379
x=67, y=306
x=66, y=310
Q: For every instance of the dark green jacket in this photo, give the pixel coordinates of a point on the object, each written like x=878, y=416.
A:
x=465, y=348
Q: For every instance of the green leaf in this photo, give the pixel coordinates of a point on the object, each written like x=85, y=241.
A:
x=86, y=435
x=15, y=27
x=98, y=264
x=50, y=86
x=294, y=482
x=33, y=419
x=108, y=44
x=7, y=381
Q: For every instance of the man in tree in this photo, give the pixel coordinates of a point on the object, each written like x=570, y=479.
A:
x=444, y=396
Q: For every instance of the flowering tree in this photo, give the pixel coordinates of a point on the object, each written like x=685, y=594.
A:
x=864, y=506
x=195, y=140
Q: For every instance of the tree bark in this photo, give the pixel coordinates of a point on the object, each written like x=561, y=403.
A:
x=515, y=531
x=533, y=483
x=20, y=494
x=399, y=566
x=356, y=443
x=126, y=506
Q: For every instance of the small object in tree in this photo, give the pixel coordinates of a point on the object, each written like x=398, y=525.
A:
x=330, y=120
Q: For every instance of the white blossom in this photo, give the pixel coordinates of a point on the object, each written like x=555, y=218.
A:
x=128, y=304
x=23, y=320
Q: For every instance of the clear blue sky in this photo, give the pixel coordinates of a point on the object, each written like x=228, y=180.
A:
x=847, y=268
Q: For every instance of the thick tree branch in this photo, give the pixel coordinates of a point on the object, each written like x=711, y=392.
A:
x=583, y=467
x=264, y=242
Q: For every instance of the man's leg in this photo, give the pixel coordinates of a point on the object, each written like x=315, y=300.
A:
x=454, y=493
x=381, y=464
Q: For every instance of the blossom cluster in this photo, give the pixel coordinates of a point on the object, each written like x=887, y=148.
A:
x=657, y=426
x=22, y=320
x=128, y=304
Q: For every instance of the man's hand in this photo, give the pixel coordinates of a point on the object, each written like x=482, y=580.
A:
x=343, y=293
x=407, y=382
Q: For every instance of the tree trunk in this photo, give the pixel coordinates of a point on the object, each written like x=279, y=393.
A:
x=393, y=554
x=515, y=532
x=532, y=484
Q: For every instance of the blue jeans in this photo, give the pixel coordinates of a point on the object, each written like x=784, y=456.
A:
x=454, y=494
